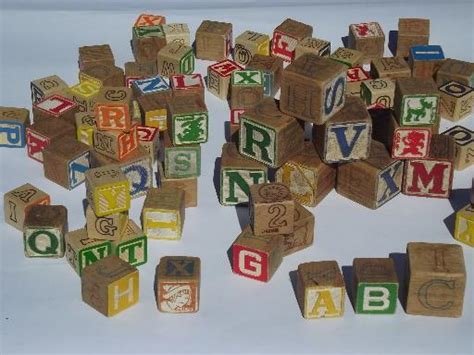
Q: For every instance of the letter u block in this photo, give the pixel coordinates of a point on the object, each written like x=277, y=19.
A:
x=320, y=290
x=110, y=285
x=437, y=279
x=13, y=123
x=375, y=286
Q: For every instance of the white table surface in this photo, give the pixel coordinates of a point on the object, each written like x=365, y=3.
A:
x=41, y=306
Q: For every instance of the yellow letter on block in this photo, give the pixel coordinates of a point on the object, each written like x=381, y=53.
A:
x=162, y=224
x=123, y=293
x=464, y=227
x=324, y=302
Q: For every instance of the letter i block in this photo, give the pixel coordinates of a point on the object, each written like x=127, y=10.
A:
x=175, y=58
x=436, y=279
x=218, y=77
x=355, y=77
x=13, y=123
x=286, y=37
x=213, y=40
x=246, y=88
x=113, y=108
x=432, y=176
x=347, y=135
x=464, y=226
x=149, y=139
x=108, y=190
x=181, y=161
x=271, y=68
x=378, y=91
x=456, y=100
x=248, y=44
x=44, y=230
x=153, y=85
x=85, y=123
x=237, y=175
x=107, y=227
x=347, y=56
x=256, y=257
x=367, y=38
x=188, y=120
x=313, y=88
x=96, y=54
x=464, y=140
x=47, y=86
x=154, y=111
x=132, y=245
x=375, y=286
x=425, y=60
x=163, y=214
x=116, y=144
x=55, y=106
x=84, y=94
x=110, y=285
x=320, y=290
x=187, y=84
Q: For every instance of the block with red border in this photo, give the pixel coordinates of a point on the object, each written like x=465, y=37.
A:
x=55, y=106
x=149, y=139
x=286, y=37
x=185, y=84
x=144, y=20
x=113, y=108
x=115, y=144
x=218, y=77
x=354, y=79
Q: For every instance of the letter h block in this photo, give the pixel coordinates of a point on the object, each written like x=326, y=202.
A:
x=182, y=161
x=246, y=89
x=286, y=37
x=113, y=108
x=188, y=120
x=436, y=279
x=132, y=245
x=375, y=286
x=213, y=40
x=117, y=145
x=13, y=123
x=218, y=77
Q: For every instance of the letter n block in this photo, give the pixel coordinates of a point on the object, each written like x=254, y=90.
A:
x=113, y=108
x=110, y=285
x=436, y=280
x=375, y=286
x=464, y=225
x=132, y=246
x=13, y=123
x=456, y=100
x=218, y=77
x=256, y=257
x=181, y=161
x=320, y=290
x=213, y=40
x=286, y=37
x=464, y=140
x=188, y=120
x=246, y=88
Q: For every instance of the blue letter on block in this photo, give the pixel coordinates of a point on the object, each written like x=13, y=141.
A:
x=340, y=132
x=12, y=134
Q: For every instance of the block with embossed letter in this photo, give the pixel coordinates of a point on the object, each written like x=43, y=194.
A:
x=117, y=145
x=188, y=185
x=95, y=54
x=146, y=42
x=13, y=123
x=367, y=38
x=302, y=236
x=176, y=32
x=378, y=91
x=113, y=108
x=47, y=86
x=218, y=77
x=249, y=43
x=84, y=94
x=108, y=227
x=313, y=45
x=154, y=111
x=246, y=88
x=349, y=57
x=286, y=38
x=188, y=120
x=213, y=40
x=389, y=68
x=132, y=245
x=175, y=58
x=464, y=142
x=182, y=161
x=355, y=77
x=456, y=100
x=457, y=70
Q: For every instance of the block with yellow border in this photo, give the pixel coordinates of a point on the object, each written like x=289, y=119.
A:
x=85, y=123
x=84, y=94
x=464, y=226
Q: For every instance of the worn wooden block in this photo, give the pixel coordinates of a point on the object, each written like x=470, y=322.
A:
x=271, y=68
x=313, y=88
x=149, y=139
x=389, y=68
x=116, y=144
x=40, y=134
x=85, y=123
x=233, y=133
x=272, y=209
x=188, y=185
x=464, y=225
x=47, y=86
x=457, y=70
x=416, y=102
x=132, y=245
x=302, y=236
x=181, y=161
x=162, y=215
x=456, y=100
x=256, y=257
x=177, y=32
x=110, y=285
x=183, y=85
x=55, y=107
x=108, y=227
x=175, y=58
x=371, y=182
x=320, y=290
x=464, y=146
x=146, y=42
x=355, y=77
x=139, y=70
x=312, y=45
x=436, y=279
x=178, y=283
x=269, y=136
x=146, y=20
x=96, y=54
x=346, y=136
x=307, y=176
x=188, y=120
x=65, y=162
x=375, y=285
x=84, y=94
x=425, y=60
x=13, y=123
x=367, y=38
x=286, y=37
x=432, y=176
x=249, y=43
x=102, y=74
x=378, y=91
x=213, y=40
x=113, y=108
x=154, y=111
x=152, y=85
x=411, y=32
x=246, y=88
x=349, y=57
x=218, y=77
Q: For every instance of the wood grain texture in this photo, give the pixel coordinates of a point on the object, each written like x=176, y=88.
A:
x=213, y=40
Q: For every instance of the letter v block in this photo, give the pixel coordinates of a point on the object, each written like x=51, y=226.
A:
x=13, y=123
x=375, y=286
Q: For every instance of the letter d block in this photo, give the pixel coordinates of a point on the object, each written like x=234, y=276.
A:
x=132, y=246
x=181, y=161
x=256, y=257
x=320, y=290
x=375, y=286
x=437, y=279
x=110, y=285
x=13, y=123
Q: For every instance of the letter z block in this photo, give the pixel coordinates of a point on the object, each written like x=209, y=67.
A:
x=152, y=85
x=464, y=140
x=218, y=77
x=425, y=60
x=286, y=37
x=132, y=246
x=13, y=123
x=213, y=40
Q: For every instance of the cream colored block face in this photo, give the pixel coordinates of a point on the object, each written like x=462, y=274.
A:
x=161, y=224
x=324, y=302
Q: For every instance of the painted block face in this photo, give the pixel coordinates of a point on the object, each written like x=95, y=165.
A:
x=218, y=77
x=40, y=88
x=355, y=77
x=284, y=46
x=235, y=184
x=36, y=143
x=13, y=122
x=132, y=246
x=43, y=242
x=316, y=46
x=456, y=100
x=248, y=44
x=378, y=91
x=190, y=128
x=55, y=105
x=235, y=116
x=428, y=178
x=139, y=174
x=349, y=142
x=250, y=263
x=429, y=52
x=148, y=32
x=107, y=227
x=85, y=123
x=178, y=297
x=464, y=227
x=419, y=110
x=149, y=139
x=259, y=141
x=77, y=168
x=123, y=293
x=145, y=20
x=464, y=140
x=247, y=77
x=182, y=84
x=183, y=162
x=324, y=302
x=376, y=298
x=83, y=94
x=113, y=109
x=367, y=38
x=151, y=85
x=411, y=143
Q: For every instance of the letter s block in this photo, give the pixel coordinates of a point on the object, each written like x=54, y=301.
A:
x=181, y=161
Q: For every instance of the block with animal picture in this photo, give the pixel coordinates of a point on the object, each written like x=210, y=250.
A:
x=457, y=70
x=85, y=124
x=213, y=40
x=154, y=111
x=286, y=37
x=349, y=57
x=175, y=58
x=113, y=108
x=218, y=77
x=132, y=245
x=378, y=91
x=47, y=86
x=177, y=284
x=139, y=70
x=302, y=236
x=246, y=88
x=84, y=94
x=390, y=68
x=108, y=227
x=13, y=123
x=464, y=146
x=103, y=75
x=44, y=229
x=149, y=139
x=367, y=38
x=182, y=161
x=57, y=106
x=411, y=32
x=456, y=100
x=151, y=85
x=183, y=85
x=249, y=43
x=271, y=68
x=313, y=45
x=355, y=77
x=146, y=42
x=95, y=54
x=188, y=185
x=117, y=145
x=188, y=120
x=425, y=60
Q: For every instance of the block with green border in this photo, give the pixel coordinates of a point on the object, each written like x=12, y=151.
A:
x=132, y=246
x=182, y=161
x=188, y=120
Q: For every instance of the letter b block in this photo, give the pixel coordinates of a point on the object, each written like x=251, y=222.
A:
x=13, y=123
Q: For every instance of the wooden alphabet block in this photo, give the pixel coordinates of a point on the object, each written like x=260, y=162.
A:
x=102, y=74
x=286, y=37
x=65, y=162
x=271, y=68
x=181, y=161
x=246, y=88
x=218, y=77
x=464, y=225
x=151, y=85
x=425, y=60
x=85, y=123
x=312, y=45
x=108, y=227
x=13, y=123
x=303, y=233
x=349, y=57
x=269, y=136
x=55, y=107
x=116, y=144
x=313, y=88
x=457, y=70
x=175, y=58
x=110, y=285
x=256, y=257
x=432, y=176
x=213, y=40
x=149, y=139
x=162, y=215
x=47, y=86
x=43, y=231
x=378, y=91
x=436, y=280
x=188, y=120
x=307, y=176
x=187, y=84
x=178, y=283
x=464, y=143
x=139, y=70
x=132, y=245
x=177, y=32
x=389, y=68
x=188, y=185
x=355, y=77
x=346, y=136
x=146, y=20
x=108, y=190
x=17, y=202
x=367, y=38
x=272, y=209
x=146, y=42
x=113, y=108
x=154, y=111
x=320, y=290
x=411, y=32
x=84, y=94
x=97, y=54
x=375, y=286
x=456, y=100
x=249, y=43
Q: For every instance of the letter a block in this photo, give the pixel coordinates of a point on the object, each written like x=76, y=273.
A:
x=175, y=58
x=113, y=108
x=44, y=230
x=464, y=139
x=188, y=120
x=218, y=77
x=246, y=88
x=456, y=100
x=320, y=290
x=437, y=279
x=464, y=226
x=213, y=40
x=13, y=123
x=375, y=286
x=132, y=246
x=181, y=161
x=287, y=36
x=110, y=285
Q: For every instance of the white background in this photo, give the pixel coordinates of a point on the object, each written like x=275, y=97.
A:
x=41, y=306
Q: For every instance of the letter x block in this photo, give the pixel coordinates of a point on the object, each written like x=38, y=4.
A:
x=56, y=107
x=188, y=120
x=464, y=226
x=367, y=38
x=146, y=20
x=181, y=161
x=13, y=123
x=464, y=140
x=271, y=68
x=108, y=227
x=286, y=37
x=47, y=86
x=113, y=108
x=375, y=286
x=246, y=88
x=44, y=230
x=175, y=58
x=213, y=40
x=320, y=290
x=110, y=285
x=313, y=45
x=117, y=145
x=218, y=77
x=456, y=100
x=187, y=84
x=249, y=43
x=132, y=246
x=436, y=280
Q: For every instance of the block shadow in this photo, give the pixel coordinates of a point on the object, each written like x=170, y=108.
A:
x=400, y=261
x=392, y=41
x=293, y=277
x=243, y=215
x=229, y=257
x=348, y=273
x=216, y=176
x=345, y=41
x=458, y=199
